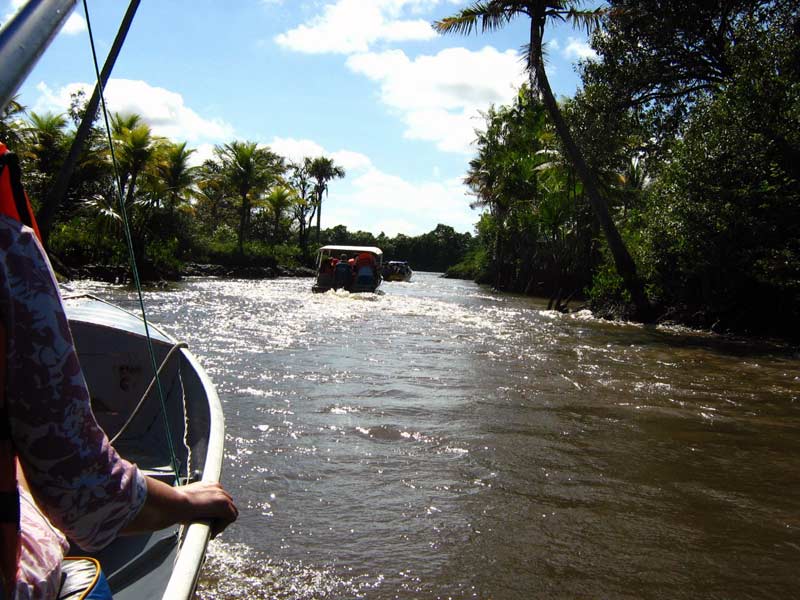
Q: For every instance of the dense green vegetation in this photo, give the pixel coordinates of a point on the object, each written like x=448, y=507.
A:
x=667, y=188
x=689, y=124
x=247, y=207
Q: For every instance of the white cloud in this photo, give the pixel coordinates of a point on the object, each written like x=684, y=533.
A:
x=348, y=26
x=75, y=24
x=202, y=153
x=578, y=49
x=297, y=150
x=162, y=109
x=438, y=97
x=376, y=201
x=369, y=199
x=372, y=200
x=351, y=161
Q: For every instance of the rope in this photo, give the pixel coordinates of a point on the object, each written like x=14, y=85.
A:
x=129, y=240
x=153, y=382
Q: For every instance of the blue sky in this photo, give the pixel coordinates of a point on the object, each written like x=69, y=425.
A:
x=367, y=82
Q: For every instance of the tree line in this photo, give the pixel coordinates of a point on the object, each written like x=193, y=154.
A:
x=246, y=206
x=669, y=186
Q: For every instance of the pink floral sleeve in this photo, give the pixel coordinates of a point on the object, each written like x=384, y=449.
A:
x=83, y=486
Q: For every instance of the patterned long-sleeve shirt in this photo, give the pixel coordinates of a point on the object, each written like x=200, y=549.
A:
x=85, y=489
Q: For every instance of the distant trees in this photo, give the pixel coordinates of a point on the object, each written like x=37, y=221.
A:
x=246, y=205
x=303, y=207
x=434, y=251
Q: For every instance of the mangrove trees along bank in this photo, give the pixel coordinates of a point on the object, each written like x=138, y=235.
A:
x=689, y=118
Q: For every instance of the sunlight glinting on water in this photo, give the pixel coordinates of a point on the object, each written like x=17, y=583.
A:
x=441, y=441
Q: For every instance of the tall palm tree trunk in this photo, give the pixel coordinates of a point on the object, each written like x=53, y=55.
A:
x=243, y=223
x=319, y=216
x=137, y=237
x=622, y=258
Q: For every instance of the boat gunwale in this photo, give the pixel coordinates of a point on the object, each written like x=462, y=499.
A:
x=189, y=562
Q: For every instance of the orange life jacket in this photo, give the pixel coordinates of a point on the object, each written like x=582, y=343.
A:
x=365, y=260
x=15, y=204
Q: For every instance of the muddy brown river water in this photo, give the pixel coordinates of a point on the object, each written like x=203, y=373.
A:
x=442, y=441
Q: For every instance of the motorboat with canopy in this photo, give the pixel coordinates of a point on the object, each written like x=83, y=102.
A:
x=351, y=268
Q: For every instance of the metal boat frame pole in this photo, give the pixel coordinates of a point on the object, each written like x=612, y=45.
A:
x=58, y=190
x=25, y=37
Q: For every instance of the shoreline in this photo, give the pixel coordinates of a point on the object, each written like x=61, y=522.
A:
x=118, y=274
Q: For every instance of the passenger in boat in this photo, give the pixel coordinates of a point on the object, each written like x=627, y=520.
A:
x=326, y=269
x=343, y=274
x=78, y=486
x=365, y=268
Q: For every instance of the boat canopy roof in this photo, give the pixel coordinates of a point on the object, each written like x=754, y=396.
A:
x=371, y=249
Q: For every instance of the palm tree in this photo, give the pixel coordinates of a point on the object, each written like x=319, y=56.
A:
x=135, y=148
x=46, y=138
x=484, y=180
x=302, y=209
x=250, y=170
x=322, y=170
x=9, y=123
x=278, y=202
x=213, y=199
x=631, y=183
x=491, y=15
x=175, y=174
x=121, y=122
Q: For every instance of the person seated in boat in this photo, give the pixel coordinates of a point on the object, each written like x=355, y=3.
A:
x=343, y=273
x=365, y=268
x=78, y=486
x=327, y=265
x=326, y=269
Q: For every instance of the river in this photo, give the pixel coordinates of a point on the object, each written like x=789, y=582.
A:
x=439, y=440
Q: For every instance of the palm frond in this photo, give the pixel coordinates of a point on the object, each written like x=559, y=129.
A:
x=527, y=58
x=587, y=20
x=481, y=16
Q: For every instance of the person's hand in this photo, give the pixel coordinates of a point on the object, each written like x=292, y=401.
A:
x=166, y=505
x=209, y=502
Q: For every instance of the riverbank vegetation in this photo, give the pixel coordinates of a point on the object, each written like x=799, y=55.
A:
x=689, y=124
x=668, y=187
x=247, y=209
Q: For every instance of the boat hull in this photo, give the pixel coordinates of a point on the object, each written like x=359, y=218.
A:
x=114, y=356
x=398, y=277
x=353, y=289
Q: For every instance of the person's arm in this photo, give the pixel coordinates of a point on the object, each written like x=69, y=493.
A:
x=78, y=480
x=166, y=505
